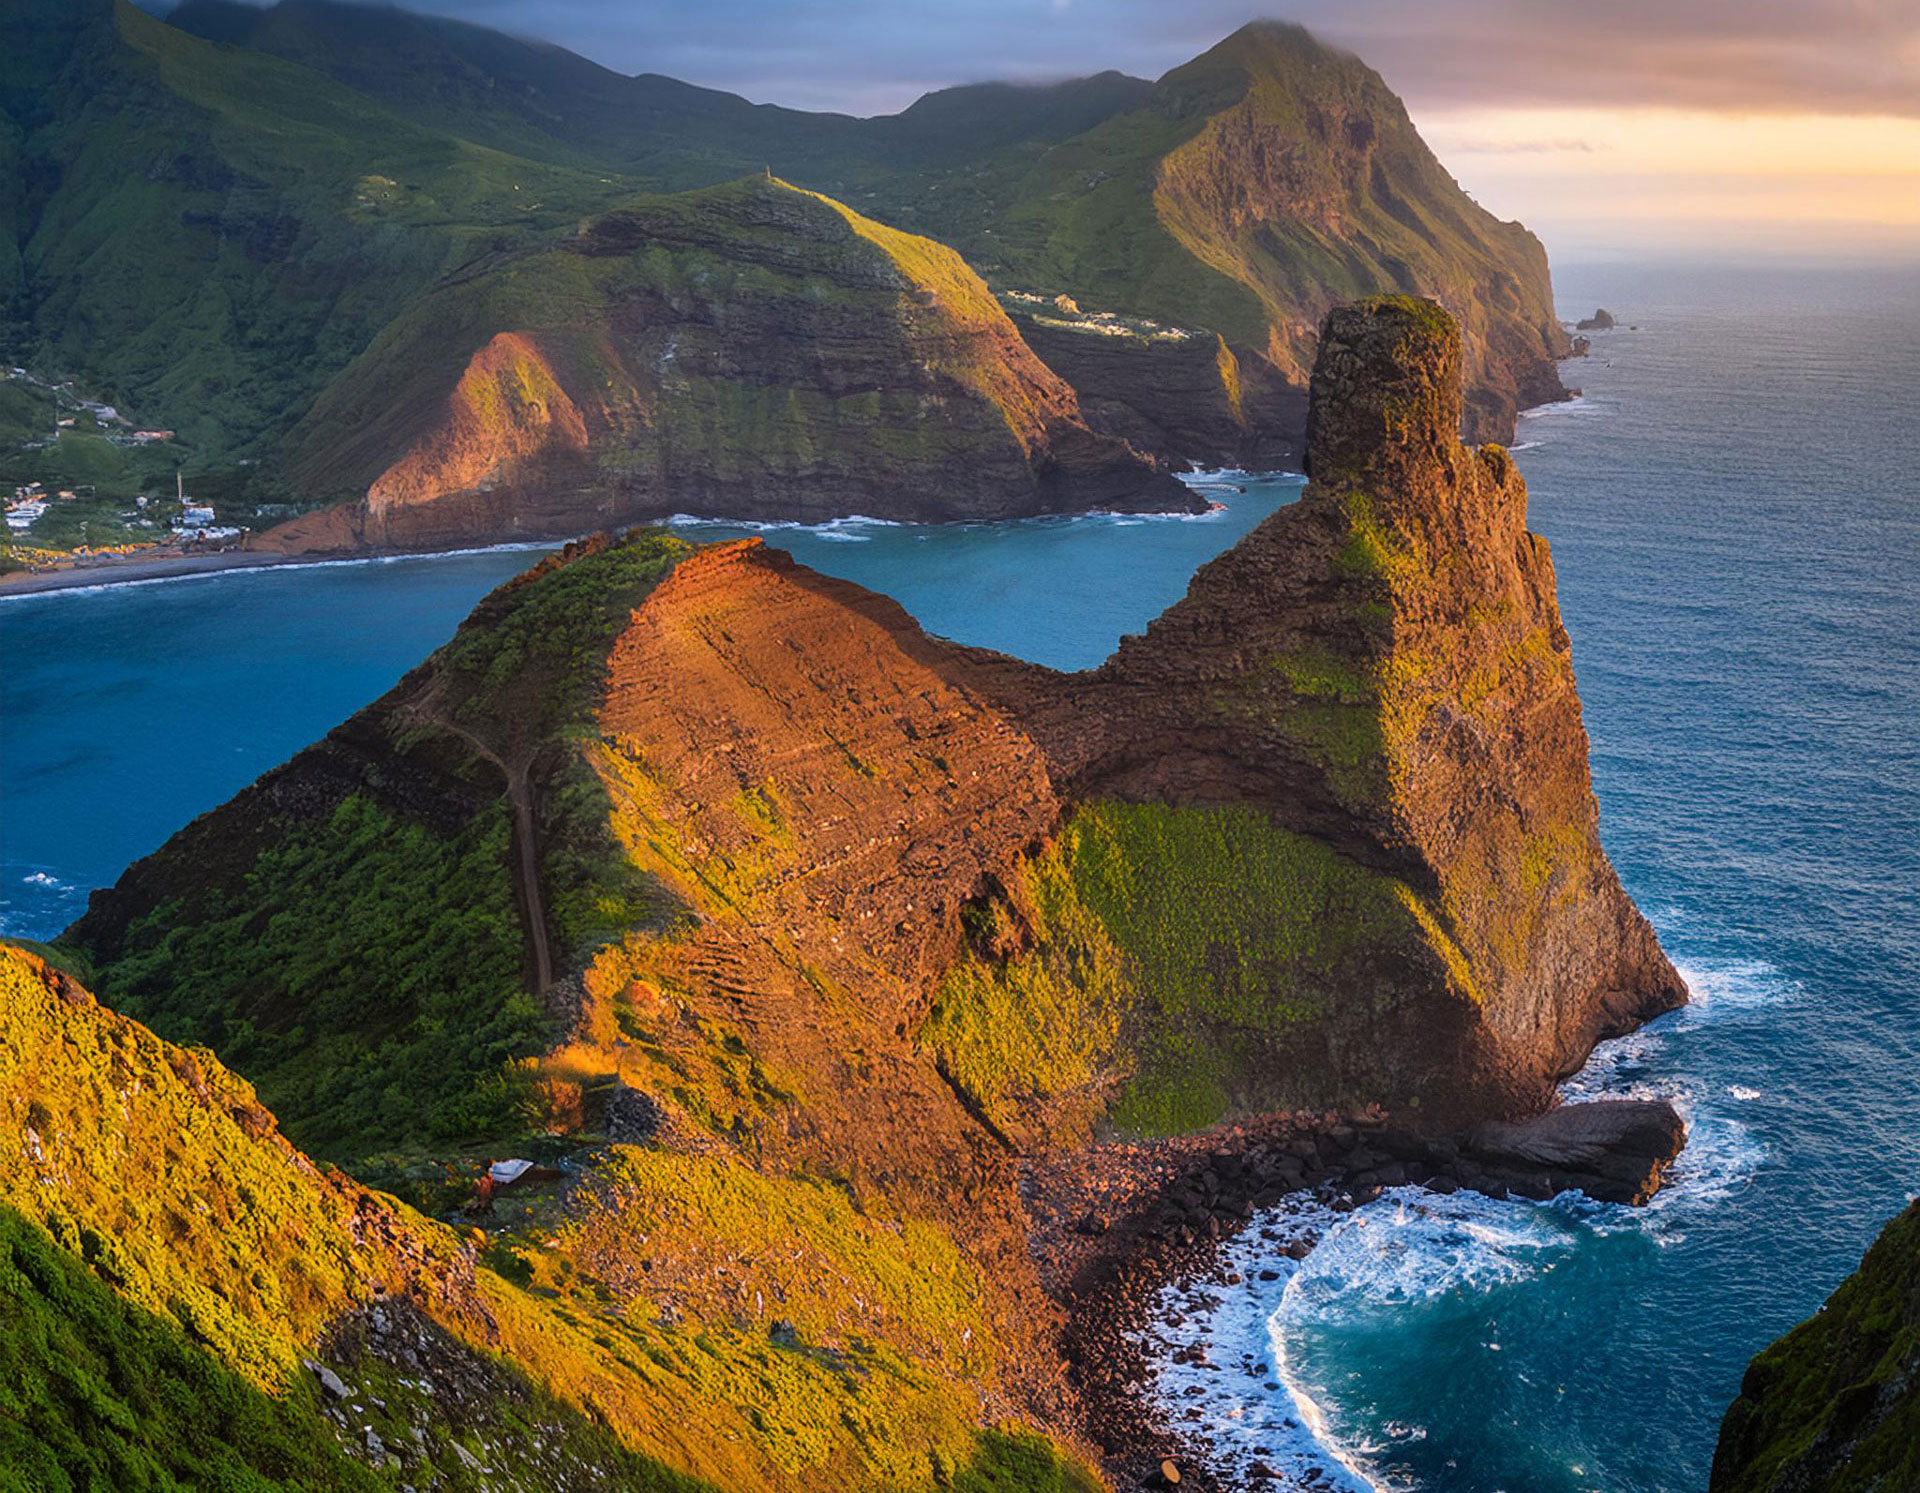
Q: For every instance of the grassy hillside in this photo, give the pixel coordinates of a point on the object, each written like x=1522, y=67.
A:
x=171, y=1271
x=1834, y=1406
x=1194, y=952
x=751, y=349
x=208, y=235
x=398, y=1029
x=1243, y=194
x=211, y=219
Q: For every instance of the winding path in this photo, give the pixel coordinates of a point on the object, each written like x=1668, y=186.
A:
x=525, y=867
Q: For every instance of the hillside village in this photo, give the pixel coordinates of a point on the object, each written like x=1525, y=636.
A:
x=82, y=483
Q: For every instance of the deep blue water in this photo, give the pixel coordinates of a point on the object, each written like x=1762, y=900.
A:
x=1734, y=508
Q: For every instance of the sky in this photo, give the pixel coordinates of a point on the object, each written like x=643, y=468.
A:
x=1736, y=128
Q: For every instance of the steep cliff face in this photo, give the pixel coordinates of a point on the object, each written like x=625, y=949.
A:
x=1834, y=1406
x=1313, y=187
x=749, y=351
x=1381, y=670
x=1263, y=183
x=837, y=923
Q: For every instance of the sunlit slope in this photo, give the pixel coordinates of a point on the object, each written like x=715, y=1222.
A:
x=172, y=1270
x=208, y=234
x=749, y=350
x=800, y=933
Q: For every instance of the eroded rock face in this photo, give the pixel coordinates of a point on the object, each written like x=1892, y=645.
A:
x=1617, y=1150
x=749, y=351
x=1382, y=667
x=1192, y=400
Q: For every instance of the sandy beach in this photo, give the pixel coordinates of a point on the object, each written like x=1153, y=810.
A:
x=118, y=572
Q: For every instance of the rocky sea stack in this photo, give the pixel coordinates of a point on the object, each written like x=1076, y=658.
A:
x=804, y=938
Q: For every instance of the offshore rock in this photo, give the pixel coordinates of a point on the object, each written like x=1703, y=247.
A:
x=1616, y=1150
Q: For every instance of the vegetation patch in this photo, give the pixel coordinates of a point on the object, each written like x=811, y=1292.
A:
x=366, y=971
x=1173, y=948
x=1835, y=1404
x=97, y=1393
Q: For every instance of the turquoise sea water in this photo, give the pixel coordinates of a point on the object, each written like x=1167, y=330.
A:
x=1735, y=513
x=127, y=710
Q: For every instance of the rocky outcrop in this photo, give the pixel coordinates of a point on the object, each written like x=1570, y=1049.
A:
x=1834, y=1406
x=1382, y=668
x=1600, y=321
x=750, y=351
x=867, y=919
x=1189, y=399
x=1617, y=1150
x=1370, y=700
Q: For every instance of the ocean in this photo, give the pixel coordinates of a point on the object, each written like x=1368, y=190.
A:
x=1734, y=507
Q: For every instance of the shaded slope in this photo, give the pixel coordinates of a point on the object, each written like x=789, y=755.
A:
x=1241, y=196
x=542, y=101
x=208, y=235
x=1834, y=1406
x=747, y=351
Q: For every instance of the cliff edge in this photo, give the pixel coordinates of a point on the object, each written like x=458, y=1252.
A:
x=747, y=351
x=1834, y=1406
x=829, y=928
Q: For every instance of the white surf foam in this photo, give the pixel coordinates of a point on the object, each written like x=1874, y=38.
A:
x=1236, y=1403
x=278, y=567
x=1413, y=1247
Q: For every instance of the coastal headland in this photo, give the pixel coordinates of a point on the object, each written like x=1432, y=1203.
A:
x=735, y=884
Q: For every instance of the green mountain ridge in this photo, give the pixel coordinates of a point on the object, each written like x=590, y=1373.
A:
x=209, y=235
x=210, y=228
x=749, y=350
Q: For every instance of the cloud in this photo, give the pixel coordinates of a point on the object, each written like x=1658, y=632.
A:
x=1472, y=146
x=1772, y=56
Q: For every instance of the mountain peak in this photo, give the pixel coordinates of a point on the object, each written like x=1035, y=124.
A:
x=1385, y=389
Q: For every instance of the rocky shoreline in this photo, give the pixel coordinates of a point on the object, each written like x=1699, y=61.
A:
x=1116, y=1226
